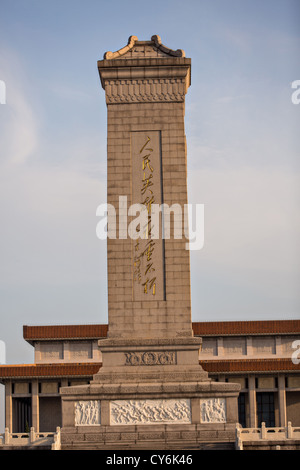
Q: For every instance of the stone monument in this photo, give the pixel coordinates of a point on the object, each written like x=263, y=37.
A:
x=151, y=391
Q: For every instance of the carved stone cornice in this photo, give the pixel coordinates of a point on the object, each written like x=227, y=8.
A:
x=147, y=90
x=144, y=71
x=117, y=389
x=124, y=344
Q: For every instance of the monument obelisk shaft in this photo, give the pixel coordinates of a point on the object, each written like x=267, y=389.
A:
x=148, y=280
x=150, y=376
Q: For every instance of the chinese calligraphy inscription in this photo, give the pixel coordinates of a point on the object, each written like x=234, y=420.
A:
x=148, y=259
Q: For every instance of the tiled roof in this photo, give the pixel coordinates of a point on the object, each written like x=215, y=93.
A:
x=49, y=370
x=260, y=327
x=230, y=328
x=232, y=366
x=249, y=365
x=31, y=333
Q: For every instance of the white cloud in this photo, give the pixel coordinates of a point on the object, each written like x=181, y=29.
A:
x=47, y=205
x=19, y=125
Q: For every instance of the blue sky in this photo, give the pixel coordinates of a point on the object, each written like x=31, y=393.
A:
x=243, y=155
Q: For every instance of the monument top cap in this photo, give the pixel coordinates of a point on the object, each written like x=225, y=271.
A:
x=144, y=49
x=144, y=60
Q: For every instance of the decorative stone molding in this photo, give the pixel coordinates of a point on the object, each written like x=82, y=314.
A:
x=87, y=413
x=116, y=55
x=112, y=343
x=150, y=358
x=134, y=45
x=149, y=90
x=157, y=41
x=124, y=412
x=213, y=410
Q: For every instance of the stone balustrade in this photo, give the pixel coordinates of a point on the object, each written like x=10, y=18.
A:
x=244, y=435
x=49, y=439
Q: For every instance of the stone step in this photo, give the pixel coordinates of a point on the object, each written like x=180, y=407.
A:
x=151, y=445
x=29, y=447
x=216, y=446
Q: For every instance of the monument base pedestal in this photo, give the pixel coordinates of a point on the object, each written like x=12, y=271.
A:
x=155, y=437
x=149, y=395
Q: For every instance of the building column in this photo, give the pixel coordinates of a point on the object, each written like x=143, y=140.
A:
x=249, y=346
x=8, y=406
x=35, y=409
x=252, y=402
x=282, y=401
x=220, y=346
x=37, y=352
x=278, y=346
x=66, y=351
x=64, y=383
x=96, y=353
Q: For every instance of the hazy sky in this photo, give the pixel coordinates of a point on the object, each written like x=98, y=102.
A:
x=243, y=155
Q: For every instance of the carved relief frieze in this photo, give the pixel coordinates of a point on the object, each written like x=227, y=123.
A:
x=150, y=411
x=213, y=410
x=87, y=413
x=141, y=90
x=150, y=358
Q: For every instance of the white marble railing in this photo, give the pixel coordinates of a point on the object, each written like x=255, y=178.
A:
x=264, y=433
x=32, y=438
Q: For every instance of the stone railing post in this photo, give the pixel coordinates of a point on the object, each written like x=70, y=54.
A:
x=238, y=440
x=263, y=432
x=54, y=444
x=56, y=441
x=32, y=436
x=6, y=436
x=289, y=429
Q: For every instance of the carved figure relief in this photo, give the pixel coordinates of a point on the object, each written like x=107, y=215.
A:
x=213, y=410
x=87, y=413
x=150, y=411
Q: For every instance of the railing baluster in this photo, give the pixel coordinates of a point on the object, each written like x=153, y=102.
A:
x=6, y=436
x=289, y=430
